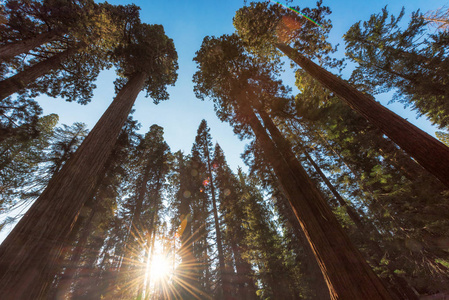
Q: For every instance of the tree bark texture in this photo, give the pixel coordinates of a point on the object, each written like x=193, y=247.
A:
x=30, y=251
x=13, y=49
x=347, y=274
x=403, y=291
x=431, y=154
x=309, y=267
x=19, y=81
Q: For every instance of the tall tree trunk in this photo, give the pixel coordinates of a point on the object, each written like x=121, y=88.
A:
x=185, y=277
x=347, y=274
x=28, y=256
x=399, y=285
x=13, y=49
x=410, y=138
x=225, y=284
x=151, y=257
x=309, y=266
x=19, y=81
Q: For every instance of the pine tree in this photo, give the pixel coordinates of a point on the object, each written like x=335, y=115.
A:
x=20, y=164
x=411, y=61
x=203, y=148
x=150, y=168
x=229, y=196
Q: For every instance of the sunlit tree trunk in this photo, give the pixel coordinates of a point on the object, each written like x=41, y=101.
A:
x=70, y=274
x=400, y=287
x=28, y=256
x=309, y=266
x=428, y=152
x=347, y=274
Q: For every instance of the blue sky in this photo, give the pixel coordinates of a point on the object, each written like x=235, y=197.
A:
x=187, y=22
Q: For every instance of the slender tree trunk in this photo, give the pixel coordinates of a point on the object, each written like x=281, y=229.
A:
x=347, y=274
x=131, y=271
x=284, y=145
x=428, y=152
x=225, y=284
x=19, y=81
x=13, y=49
x=349, y=209
x=185, y=278
x=28, y=256
x=151, y=256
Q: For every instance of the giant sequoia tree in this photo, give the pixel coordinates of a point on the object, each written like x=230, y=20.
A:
x=149, y=62
x=278, y=29
x=238, y=82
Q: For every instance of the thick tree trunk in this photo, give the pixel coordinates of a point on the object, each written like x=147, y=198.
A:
x=70, y=275
x=13, y=49
x=30, y=251
x=403, y=291
x=19, y=81
x=428, y=152
x=309, y=266
x=347, y=274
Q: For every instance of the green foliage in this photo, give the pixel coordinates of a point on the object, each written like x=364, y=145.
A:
x=411, y=61
x=443, y=137
x=20, y=161
x=19, y=118
x=400, y=199
x=150, y=51
x=262, y=25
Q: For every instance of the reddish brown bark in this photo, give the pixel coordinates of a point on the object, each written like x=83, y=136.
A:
x=347, y=274
x=19, y=81
x=426, y=150
x=400, y=288
x=13, y=49
x=28, y=256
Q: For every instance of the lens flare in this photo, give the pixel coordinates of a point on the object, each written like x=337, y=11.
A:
x=301, y=14
x=160, y=267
